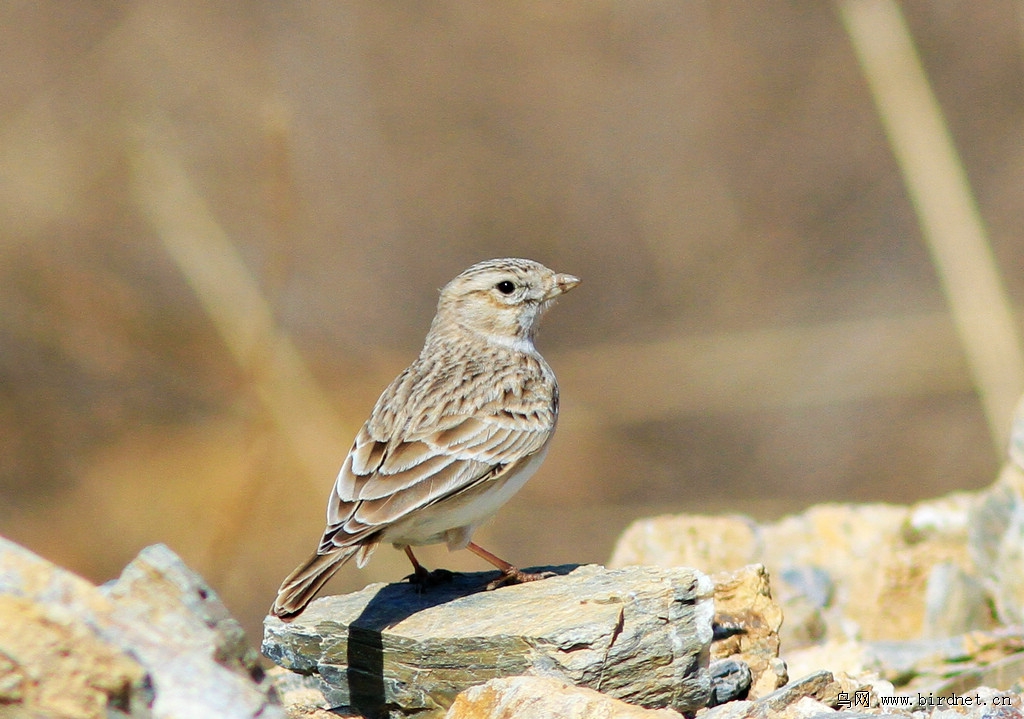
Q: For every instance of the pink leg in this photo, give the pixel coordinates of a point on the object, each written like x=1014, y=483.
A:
x=422, y=576
x=509, y=573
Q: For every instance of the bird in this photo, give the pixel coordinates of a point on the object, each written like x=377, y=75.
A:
x=453, y=437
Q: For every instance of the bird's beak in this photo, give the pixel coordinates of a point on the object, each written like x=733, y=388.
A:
x=564, y=283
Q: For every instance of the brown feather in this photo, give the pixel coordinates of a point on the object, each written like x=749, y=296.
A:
x=367, y=454
x=299, y=587
x=390, y=507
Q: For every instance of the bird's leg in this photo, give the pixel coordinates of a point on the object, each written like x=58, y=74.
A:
x=419, y=572
x=509, y=573
x=423, y=577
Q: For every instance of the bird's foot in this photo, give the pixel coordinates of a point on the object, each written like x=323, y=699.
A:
x=516, y=576
x=423, y=578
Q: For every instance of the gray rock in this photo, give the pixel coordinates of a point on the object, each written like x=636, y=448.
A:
x=953, y=664
x=730, y=680
x=811, y=583
x=955, y=602
x=1016, y=448
x=638, y=634
x=817, y=692
x=820, y=686
x=996, y=543
x=195, y=651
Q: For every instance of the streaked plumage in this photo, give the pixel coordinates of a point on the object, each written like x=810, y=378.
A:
x=454, y=436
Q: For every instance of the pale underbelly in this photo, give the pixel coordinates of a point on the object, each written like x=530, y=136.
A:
x=453, y=520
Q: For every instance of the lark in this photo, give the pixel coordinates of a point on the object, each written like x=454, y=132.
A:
x=453, y=437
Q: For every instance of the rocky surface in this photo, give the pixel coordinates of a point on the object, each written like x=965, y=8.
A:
x=38, y=675
x=157, y=643
x=878, y=610
x=925, y=666
x=868, y=572
x=637, y=634
x=747, y=623
x=813, y=694
x=920, y=600
x=531, y=697
x=918, y=606
x=848, y=571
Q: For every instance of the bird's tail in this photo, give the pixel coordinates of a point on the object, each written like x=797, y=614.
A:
x=299, y=587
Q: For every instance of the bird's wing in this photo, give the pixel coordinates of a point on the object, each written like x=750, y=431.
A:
x=383, y=479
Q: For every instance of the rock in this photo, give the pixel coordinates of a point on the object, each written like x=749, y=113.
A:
x=963, y=662
x=638, y=634
x=877, y=559
x=51, y=665
x=820, y=688
x=185, y=635
x=804, y=708
x=818, y=693
x=996, y=543
x=806, y=592
x=845, y=571
x=744, y=606
x=837, y=655
x=955, y=602
x=1001, y=675
x=531, y=697
x=920, y=667
x=300, y=694
x=711, y=544
x=1016, y=444
x=168, y=646
x=730, y=680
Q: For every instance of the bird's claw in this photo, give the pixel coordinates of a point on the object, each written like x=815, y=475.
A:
x=516, y=576
x=423, y=579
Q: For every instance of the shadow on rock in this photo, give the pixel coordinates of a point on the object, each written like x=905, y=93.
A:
x=390, y=606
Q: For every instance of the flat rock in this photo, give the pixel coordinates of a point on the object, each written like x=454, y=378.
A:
x=639, y=634
x=544, y=698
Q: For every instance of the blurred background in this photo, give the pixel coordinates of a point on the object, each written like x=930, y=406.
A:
x=223, y=228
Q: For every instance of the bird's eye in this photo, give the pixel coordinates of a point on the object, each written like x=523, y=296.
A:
x=506, y=287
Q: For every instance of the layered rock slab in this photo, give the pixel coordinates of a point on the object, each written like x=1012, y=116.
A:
x=640, y=634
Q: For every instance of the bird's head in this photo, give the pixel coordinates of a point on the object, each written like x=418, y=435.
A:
x=502, y=300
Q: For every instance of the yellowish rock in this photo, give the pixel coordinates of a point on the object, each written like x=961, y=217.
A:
x=527, y=697
x=867, y=571
x=708, y=543
x=54, y=667
x=743, y=601
x=157, y=643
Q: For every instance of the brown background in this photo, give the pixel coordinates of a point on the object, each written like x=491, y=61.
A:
x=760, y=325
